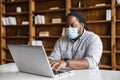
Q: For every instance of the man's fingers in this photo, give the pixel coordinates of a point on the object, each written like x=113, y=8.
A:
x=51, y=63
x=54, y=65
x=58, y=67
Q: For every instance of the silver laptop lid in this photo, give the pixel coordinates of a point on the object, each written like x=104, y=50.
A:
x=31, y=59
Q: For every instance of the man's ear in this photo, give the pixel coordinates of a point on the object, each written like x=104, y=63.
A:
x=83, y=25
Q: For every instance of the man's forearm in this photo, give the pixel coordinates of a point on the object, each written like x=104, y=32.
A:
x=79, y=64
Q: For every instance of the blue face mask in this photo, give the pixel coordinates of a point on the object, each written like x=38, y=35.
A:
x=72, y=32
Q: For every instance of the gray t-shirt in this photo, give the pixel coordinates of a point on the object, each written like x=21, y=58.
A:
x=88, y=46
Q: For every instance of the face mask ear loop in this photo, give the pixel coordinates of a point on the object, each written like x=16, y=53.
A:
x=79, y=31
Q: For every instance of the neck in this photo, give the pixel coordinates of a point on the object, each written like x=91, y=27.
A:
x=79, y=35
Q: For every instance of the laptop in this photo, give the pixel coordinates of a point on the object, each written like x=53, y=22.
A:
x=33, y=59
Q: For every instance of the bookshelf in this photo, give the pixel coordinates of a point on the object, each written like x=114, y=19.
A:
x=108, y=30
x=58, y=11
x=0, y=29
x=96, y=21
x=117, y=33
x=17, y=33
x=30, y=32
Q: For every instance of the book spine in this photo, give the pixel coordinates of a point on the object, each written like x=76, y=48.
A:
x=4, y=21
x=36, y=21
x=42, y=19
x=7, y=21
x=12, y=20
x=79, y=3
x=39, y=19
x=108, y=14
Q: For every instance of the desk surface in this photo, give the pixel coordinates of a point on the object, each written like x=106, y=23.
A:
x=13, y=74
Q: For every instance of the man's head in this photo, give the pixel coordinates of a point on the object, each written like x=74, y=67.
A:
x=75, y=24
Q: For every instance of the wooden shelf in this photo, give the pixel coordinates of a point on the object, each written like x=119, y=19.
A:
x=49, y=37
x=19, y=25
x=8, y=60
x=98, y=21
x=27, y=14
x=107, y=51
x=48, y=50
x=14, y=2
x=50, y=24
x=117, y=36
x=118, y=51
x=91, y=7
x=105, y=36
x=105, y=66
x=118, y=20
x=49, y=11
x=5, y=49
x=15, y=13
x=117, y=5
x=16, y=37
x=118, y=66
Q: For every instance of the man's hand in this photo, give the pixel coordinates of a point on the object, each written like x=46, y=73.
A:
x=56, y=64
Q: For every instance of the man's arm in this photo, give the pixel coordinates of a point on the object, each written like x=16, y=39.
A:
x=91, y=59
x=73, y=64
x=79, y=64
x=55, y=55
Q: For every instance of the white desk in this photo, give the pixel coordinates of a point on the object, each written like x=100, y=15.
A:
x=14, y=74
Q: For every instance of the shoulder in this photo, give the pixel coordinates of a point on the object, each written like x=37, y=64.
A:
x=91, y=36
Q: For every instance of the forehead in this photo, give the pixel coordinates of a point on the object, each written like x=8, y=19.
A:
x=71, y=19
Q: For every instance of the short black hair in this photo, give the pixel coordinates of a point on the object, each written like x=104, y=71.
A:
x=80, y=16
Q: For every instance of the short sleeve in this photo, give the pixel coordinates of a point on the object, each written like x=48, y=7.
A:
x=55, y=55
x=94, y=52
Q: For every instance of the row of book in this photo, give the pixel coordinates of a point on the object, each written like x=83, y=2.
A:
x=37, y=43
x=39, y=19
x=9, y=20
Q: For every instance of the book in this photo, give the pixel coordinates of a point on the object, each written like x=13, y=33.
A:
x=118, y=1
x=79, y=3
x=9, y=20
x=36, y=20
x=44, y=33
x=102, y=4
x=25, y=22
x=37, y=43
x=57, y=20
x=39, y=19
x=108, y=14
x=42, y=19
x=54, y=8
x=14, y=22
x=4, y=21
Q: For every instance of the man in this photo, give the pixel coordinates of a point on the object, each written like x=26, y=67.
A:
x=80, y=48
